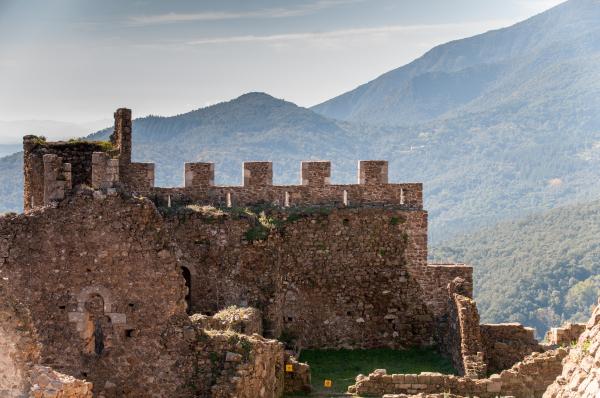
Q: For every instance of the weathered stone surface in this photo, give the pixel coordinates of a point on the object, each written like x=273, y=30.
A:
x=297, y=375
x=565, y=335
x=108, y=265
x=46, y=383
x=505, y=344
x=581, y=372
x=526, y=379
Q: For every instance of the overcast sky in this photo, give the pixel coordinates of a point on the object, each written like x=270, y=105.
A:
x=78, y=60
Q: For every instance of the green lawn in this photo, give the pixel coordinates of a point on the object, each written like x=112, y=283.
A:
x=342, y=366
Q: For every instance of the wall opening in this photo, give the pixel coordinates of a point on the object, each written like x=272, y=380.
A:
x=98, y=324
x=188, y=284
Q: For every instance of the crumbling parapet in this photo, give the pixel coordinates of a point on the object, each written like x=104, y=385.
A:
x=57, y=178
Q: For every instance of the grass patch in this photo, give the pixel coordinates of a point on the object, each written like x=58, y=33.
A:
x=342, y=366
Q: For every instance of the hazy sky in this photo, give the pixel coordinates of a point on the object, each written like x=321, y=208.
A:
x=78, y=60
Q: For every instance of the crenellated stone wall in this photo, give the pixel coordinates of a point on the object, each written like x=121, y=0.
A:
x=322, y=277
x=111, y=270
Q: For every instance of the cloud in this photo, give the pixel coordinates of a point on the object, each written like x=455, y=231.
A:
x=346, y=33
x=170, y=18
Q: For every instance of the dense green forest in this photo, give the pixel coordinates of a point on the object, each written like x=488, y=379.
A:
x=540, y=271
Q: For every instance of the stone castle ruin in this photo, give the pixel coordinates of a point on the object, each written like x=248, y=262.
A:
x=114, y=287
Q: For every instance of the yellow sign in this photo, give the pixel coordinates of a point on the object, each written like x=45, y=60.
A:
x=289, y=367
x=327, y=383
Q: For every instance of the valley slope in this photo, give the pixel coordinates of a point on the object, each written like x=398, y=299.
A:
x=539, y=271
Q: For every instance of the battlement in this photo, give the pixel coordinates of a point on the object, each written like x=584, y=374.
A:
x=108, y=165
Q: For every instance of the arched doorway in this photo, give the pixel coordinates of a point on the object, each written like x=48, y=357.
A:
x=188, y=284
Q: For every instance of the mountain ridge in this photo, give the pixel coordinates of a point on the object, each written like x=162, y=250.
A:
x=382, y=100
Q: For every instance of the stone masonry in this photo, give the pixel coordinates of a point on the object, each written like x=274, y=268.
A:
x=150, y=291
x=581, y=372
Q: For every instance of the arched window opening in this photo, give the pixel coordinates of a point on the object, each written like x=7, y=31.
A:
x=188, y=284
x=99, y=324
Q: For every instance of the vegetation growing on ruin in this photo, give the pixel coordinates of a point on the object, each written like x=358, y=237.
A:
x=104, y=146
x=342, y=366
x=39, y=140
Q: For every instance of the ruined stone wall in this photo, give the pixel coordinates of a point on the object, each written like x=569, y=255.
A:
x=47, y=383
x=101, y=284
x=526, y=379
x=325, y=278
x=19, y=350
x=297, y=377
x=224, y=364
x=581, y=372
x=505, y=344
x=462, y=339
x=78, y=154
x=138, y=177
x=347, y=281
x=566, y=334
x=434, y=278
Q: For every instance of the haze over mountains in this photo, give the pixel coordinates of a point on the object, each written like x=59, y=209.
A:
x=497, y=126
x=500, y=68
x=507, y=125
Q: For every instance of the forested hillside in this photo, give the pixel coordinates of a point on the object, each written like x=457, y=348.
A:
x=540, y=271
x=482, y=72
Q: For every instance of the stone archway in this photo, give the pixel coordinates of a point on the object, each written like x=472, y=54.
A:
x=95, y=319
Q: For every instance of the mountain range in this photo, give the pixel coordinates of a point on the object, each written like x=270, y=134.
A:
x=498, y=127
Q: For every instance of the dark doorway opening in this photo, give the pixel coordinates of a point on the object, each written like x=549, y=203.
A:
x=188, y=283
